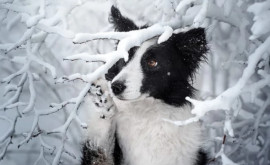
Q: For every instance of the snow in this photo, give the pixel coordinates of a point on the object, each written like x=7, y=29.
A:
x=85, y=37
x=258, y=29
x=39, y=66
x=165, y=35
x=184, y=5
x=48, y=29
x=261, y=14
x=198, y=20
x=226, y=98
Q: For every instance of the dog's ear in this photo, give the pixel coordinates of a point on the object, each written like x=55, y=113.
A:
x=192, y=47
x=121, y=23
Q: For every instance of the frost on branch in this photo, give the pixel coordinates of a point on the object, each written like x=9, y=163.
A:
x=245, y=101
x=45, y=98
x=27, y=73
x=127, y=40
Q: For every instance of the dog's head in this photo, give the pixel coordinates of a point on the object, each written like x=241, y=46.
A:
x=162, y=71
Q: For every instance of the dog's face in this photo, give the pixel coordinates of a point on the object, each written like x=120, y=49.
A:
x=162, y=71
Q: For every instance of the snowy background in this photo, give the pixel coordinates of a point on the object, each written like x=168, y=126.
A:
x=44, y=100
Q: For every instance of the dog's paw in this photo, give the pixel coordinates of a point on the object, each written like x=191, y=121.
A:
x=102, y=100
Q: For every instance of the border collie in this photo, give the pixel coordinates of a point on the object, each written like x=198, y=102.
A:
x=150, y=87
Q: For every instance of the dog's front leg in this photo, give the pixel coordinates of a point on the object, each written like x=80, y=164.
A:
x=100, y=143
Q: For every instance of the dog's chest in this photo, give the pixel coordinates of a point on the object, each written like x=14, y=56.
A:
x=145, y=139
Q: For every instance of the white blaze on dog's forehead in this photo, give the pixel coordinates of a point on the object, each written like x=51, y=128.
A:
x=132, y=74
x=145, y=46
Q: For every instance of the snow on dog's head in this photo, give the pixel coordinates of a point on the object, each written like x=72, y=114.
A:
x=162, y=71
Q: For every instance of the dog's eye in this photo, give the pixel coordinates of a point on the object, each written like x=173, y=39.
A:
x=152, y=63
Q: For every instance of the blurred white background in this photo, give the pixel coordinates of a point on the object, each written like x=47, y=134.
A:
x=236, y=30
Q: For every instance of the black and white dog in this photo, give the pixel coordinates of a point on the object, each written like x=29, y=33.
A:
x=150, y=87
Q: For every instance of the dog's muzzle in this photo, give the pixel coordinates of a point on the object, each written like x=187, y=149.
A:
x=118, y=87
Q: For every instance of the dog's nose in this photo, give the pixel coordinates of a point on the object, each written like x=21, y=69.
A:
x=118, y=87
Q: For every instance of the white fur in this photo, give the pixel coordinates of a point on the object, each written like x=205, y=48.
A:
x=102, y=129
x=132, y=74
x=146, y=139
x=101, y=132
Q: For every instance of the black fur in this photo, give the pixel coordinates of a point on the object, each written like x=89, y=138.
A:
x=93, y=156
x=180, y=55
x=121, y=24
x=117, y=154
x=117, y=67
x=177, y=58
x=202, y=158
x=96, y=156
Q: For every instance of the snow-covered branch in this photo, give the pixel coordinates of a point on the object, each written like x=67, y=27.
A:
x=127, y=40
x=39, y=26
x=225, y=100
x=32, y=74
